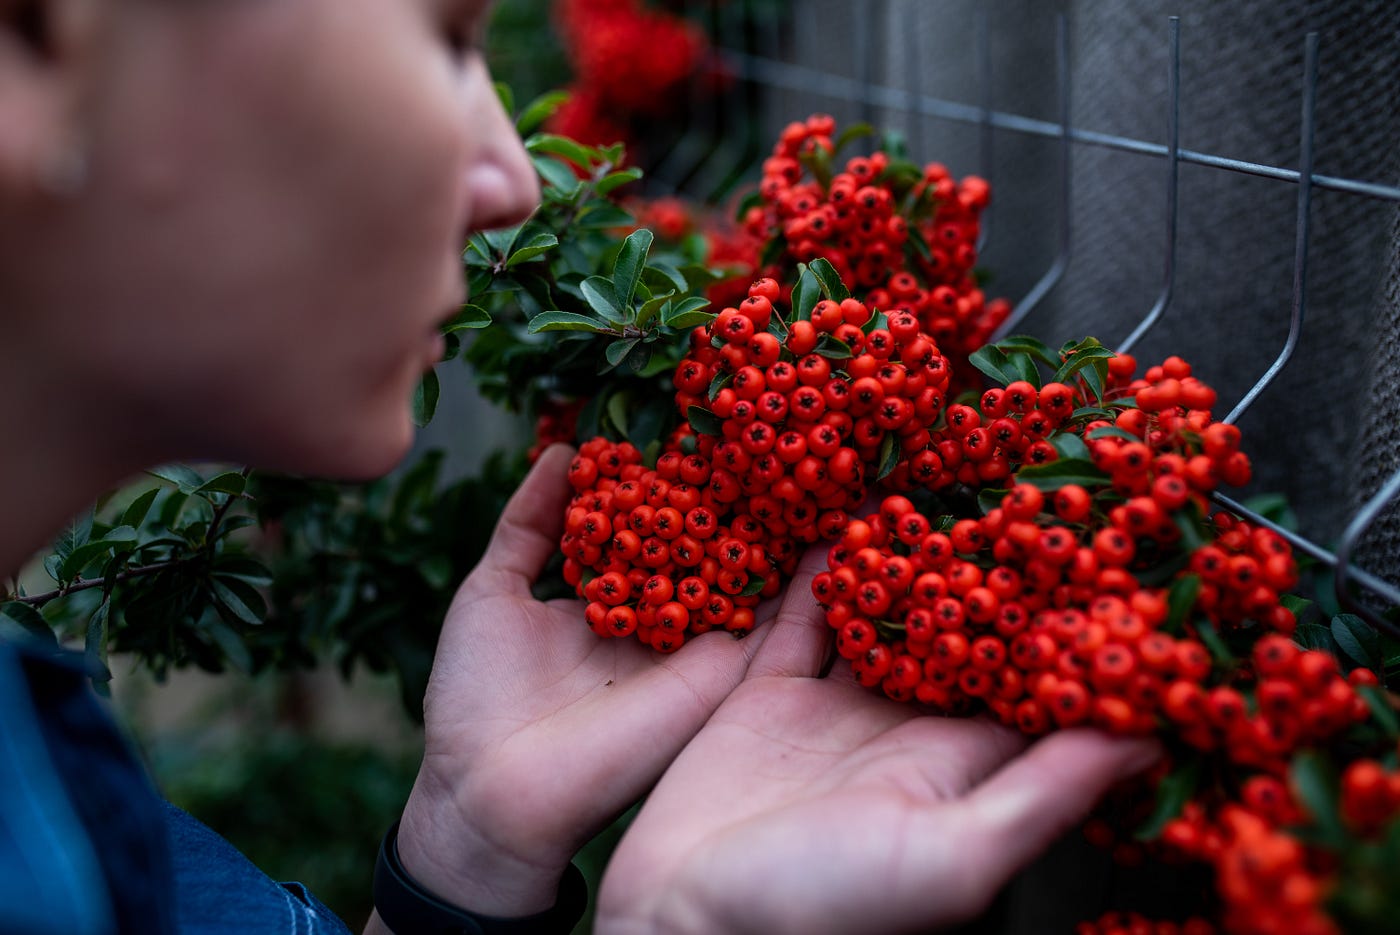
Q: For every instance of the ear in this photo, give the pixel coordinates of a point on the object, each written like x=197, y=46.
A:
x=44, y=57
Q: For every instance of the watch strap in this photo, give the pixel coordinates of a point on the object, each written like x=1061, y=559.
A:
x=409, y=909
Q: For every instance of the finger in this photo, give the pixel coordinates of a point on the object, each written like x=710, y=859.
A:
x=527, y=533
x=798, y=640
x=1033, y=800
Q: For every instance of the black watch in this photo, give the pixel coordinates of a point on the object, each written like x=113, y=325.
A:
x=408, y=909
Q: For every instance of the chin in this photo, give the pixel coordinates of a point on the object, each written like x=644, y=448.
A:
x=365, y=451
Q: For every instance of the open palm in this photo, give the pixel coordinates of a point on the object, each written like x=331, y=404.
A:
x=813, y=805
x=539, y=732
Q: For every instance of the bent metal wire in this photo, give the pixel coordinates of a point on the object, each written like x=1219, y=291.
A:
x=756, y=69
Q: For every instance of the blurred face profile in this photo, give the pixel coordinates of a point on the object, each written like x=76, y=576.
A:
x=269, y=229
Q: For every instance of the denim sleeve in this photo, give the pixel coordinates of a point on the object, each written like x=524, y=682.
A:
x=87, y=845
x=218, y=891
x=51, y=878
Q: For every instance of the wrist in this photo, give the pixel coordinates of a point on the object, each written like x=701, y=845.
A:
x=445, y=850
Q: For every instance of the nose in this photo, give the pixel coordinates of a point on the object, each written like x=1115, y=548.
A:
x=501, y=181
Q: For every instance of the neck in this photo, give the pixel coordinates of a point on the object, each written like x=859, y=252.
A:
x=58, y=456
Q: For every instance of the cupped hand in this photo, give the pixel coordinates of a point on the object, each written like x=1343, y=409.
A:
x=538, y=731
x=813, y=805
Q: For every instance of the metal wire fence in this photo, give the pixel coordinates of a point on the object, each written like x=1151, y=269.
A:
x=722, y=142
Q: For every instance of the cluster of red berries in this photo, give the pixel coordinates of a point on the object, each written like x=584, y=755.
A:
x=805, y=420
x=655, y=554
x=793, y=446
x=1171, y=417
x=1040, y=620
x=1290, y=698
x=556, y=421
x=903, y=243
x=629, y=62
x=1270, y=881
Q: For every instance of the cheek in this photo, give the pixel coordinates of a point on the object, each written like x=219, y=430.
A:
x=297, y=243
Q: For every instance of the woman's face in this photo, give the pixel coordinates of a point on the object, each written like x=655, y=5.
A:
x=271, y=229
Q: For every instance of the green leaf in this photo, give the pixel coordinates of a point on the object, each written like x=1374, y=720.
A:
x=186, y=479
x=805, y=295
x=570, y=150
x=120, y=539
x=687, y=313
x=95, y=644
x=1314, y=780
x=1035, y=347
x=230, y=482
x=989, y=498
x=751, y=200
x=538, y=111
x=1188, y=521
x=617, y=412
x=992, y=361
x=818, y=162
x=617, y=351
x=603, y=298
x=889, y=456
x=1094, y=379
x=1070, y=446
x=1296, y=604
x=436, y=571
x=29, y=619
x=566, y=321
x=556, y=175
x=248, y=570
x=631, y=260
x=240, y=600
x=1082, y=358
x=1112, y=431
x=877, y=320
x=1181, y=599
x=470, y=316
x=614, y=180
x=753, y=586
x=651, y=307
x=1023, y=366
x=135, y=513
x=830, y=281
x=704, y=421
x=172, y=507
x=1057, y=474
x=697, y=277
x=853, y=132
x=1208, y=634
x=506, y=96
x=425, y=399
x=720, y=381
x=501, y=240
x=1316, y=636
x=78, y=533
x=1378, y=700
x=1358, y=641
x=603, y=215
x=538, y=244
x=660, y=275
x=833, y=348
x=1274, y=506
x=1173, y=792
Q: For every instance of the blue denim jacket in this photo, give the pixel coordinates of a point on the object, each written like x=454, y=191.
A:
x=88, y=847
